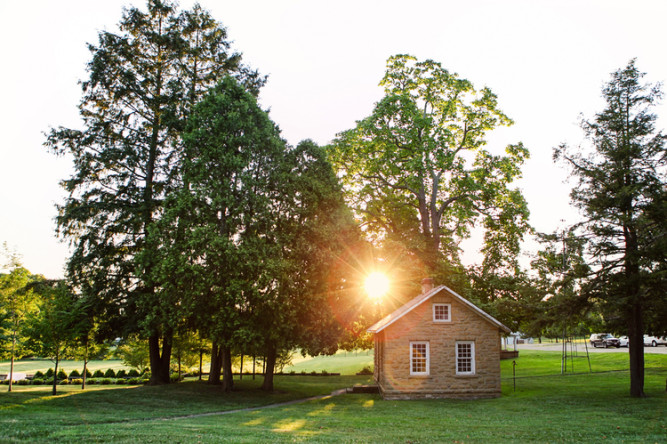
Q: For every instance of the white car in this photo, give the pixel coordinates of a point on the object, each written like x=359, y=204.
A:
x=654, y=341
x=624, y=341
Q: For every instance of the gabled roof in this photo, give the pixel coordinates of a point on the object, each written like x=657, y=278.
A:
x=409, y=306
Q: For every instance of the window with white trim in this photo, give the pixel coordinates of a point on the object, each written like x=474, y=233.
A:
x=465, y=358
x=419, y=358
x=442, y=312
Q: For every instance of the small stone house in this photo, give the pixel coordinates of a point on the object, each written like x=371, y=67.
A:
x=438, y=345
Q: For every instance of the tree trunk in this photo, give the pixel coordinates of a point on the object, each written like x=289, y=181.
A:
x=55, y=373
x=85, y=367
x=11, y=367
x=270, y=362
x=241, y=370
x=636, y=346
x=201, y=358
x=216, y=364
x=254, y=360
x=227, y=375
x=159, y=362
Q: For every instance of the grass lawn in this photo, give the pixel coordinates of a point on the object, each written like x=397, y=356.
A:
x=345, y=363
x=571, y=408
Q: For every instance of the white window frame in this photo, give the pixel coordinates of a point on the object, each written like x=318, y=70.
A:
x=472, y=357
x=412, y=356
x=449, y=312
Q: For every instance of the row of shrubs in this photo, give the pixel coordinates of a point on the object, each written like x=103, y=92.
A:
x=110, y=373
x=313, y=373
x=92, y=381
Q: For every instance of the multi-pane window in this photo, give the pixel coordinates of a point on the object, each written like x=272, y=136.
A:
x=465, y=358
x=419, y=358
x=442, y=312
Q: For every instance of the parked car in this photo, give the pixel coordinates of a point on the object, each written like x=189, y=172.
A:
x=623, y=341
x=604, y=340
x=654, y=341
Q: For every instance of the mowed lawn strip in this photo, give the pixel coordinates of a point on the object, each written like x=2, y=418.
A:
x=580, y=407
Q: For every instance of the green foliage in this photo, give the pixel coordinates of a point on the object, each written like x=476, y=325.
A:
x=17, y=302
x=98, y=374
x=49, y=373
x=133, y=373
x=621, y=194
x=121, y=374
x=418, y=175
x=62, y=374
x=134, y=353
x=144, y=81
x=110, y=373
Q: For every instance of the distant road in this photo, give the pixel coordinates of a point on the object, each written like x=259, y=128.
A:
x=661, y=349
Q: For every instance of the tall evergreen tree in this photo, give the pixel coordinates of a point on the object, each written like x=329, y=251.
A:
x=143, y=83
x=622, y=196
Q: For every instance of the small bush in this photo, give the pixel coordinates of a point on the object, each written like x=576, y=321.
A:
x=121, y=373
x=98, y=374
x=92, y=381
x=22, y=382
x=64, y=382
x=133, y=381
x=88, y=374
x=49, y=373
x=121, y=381
x=106, y=381
x=366, y=371
x=37, y=381
x=62, y=374
x=77, y=381
x=133, y=373
x=74, y=374
x=110, y=373
x=39, y=375
x=174, y=377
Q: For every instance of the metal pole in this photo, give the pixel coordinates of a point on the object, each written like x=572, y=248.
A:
x=514, y=374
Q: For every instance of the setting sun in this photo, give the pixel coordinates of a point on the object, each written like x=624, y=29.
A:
x=376, y=285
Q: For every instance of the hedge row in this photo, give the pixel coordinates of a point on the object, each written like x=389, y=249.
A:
x=92, y=381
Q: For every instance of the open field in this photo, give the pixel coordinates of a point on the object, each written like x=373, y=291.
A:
x=545, y=407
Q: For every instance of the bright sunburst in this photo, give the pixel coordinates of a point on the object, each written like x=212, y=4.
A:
x=376, y=285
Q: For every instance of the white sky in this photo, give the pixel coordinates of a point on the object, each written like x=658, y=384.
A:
x=546, y=60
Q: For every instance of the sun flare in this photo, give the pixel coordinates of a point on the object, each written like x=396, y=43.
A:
x=376, y=285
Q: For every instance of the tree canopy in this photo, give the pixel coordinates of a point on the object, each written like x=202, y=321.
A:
x=417, y=172
x=142, y=85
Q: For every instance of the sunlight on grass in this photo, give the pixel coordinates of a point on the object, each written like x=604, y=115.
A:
x=326, y=410
x=254, y=422
x=368, y=404
x=289, y=426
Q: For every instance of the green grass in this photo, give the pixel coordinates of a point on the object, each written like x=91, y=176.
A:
x=345, y=363
x=578, y=407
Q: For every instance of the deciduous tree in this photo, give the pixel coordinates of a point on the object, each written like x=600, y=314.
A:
x=417, y=172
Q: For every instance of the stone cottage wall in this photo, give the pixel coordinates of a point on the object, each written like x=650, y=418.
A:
x=394, y=378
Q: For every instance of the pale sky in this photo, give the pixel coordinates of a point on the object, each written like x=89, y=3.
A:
x=546, y=61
